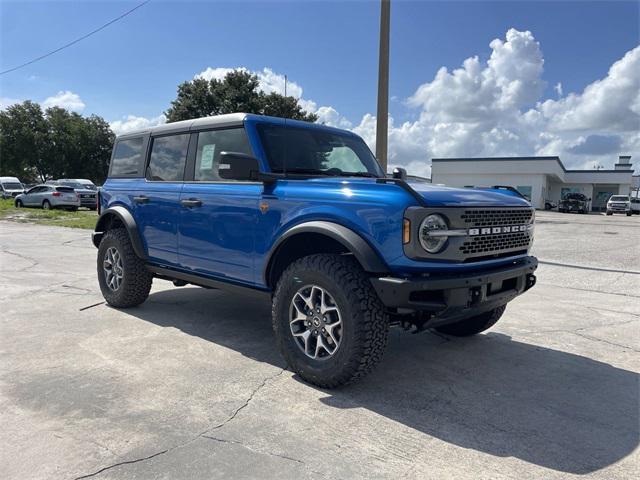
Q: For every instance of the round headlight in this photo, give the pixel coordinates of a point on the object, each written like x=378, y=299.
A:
x=431, y=233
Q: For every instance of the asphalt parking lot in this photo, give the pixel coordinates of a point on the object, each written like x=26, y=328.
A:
x=190, y=385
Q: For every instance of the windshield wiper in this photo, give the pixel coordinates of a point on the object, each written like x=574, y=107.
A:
x=309, y=171
x=360, y=174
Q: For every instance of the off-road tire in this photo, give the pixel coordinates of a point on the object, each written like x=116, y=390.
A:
x=473, y=325
x=365, y=323
x=136, y=280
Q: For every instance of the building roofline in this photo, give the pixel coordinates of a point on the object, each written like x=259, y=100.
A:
x=504, y=159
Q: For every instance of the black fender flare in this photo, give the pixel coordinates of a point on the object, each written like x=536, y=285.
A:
x=358, y=246
x=129, y=223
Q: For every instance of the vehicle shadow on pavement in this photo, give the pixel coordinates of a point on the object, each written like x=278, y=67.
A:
x=489, y=393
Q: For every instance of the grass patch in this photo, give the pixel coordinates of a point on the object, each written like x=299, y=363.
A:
x=62, y=218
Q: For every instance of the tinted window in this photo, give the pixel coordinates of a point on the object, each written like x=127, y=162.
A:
x=310, y=150
x=211, y=143
x=168, y=155
x=127, y=158
x=65, y=189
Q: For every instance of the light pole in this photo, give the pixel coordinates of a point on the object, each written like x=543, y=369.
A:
x=383, y=85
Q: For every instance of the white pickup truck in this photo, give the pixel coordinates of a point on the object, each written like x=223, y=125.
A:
x=623, y=204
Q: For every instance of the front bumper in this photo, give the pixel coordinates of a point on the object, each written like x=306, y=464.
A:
x=458, y=296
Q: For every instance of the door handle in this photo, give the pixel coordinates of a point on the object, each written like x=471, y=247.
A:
x=192, y=202
x=141, y=199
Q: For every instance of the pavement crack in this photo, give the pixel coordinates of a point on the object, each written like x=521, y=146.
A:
x=596, y=339
x=34, y=262
x=235, y=442
x=127, y=462
x=200, y=435
x=245, y=404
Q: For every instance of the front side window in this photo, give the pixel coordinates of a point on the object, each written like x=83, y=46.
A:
x=127, y=158
x=211, y=144
x=317, y=152
x=168, y=156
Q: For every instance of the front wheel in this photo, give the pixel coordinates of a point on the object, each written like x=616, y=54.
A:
x=473, y=325
x=18, y=203
x=629, y=214
x=329, y=323
x=123, y=278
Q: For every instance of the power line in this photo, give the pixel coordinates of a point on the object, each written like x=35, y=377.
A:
x=77, y=39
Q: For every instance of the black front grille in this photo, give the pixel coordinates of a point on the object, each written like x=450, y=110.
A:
x=495, y=243
x=497, y=217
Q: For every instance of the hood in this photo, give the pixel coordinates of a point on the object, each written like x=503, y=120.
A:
x=440, y=196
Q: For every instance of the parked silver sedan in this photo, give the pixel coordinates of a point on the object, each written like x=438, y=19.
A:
x=48, y=197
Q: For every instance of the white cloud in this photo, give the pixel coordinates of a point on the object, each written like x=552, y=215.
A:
x=495, y=109
x=270, y=81
x=330, y=116
x=131, y=122
x=6, y=102
x=65, y=99
x=558, y=89
x=492, y=108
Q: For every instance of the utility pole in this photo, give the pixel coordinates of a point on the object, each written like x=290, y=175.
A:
x=383, y=85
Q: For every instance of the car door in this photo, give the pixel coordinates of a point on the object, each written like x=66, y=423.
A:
x=218, y=216
x=34, y=196
x=157, y=201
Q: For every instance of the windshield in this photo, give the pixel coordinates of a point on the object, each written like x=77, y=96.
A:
x=619, y=198
x=317, y=152
x=12, y=186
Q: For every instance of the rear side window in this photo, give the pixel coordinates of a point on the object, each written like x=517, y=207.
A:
x=127, y=158
x=168, y=156
x=65, y=189
x=211, y=144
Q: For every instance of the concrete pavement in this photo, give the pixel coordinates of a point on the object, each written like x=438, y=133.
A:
x=190, y=384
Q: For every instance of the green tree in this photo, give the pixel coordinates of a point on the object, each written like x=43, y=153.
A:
x=237, y=92
x=23, y=137
x=54, y=144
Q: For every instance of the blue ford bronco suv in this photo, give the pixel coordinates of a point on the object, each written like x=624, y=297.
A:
x=303, y=215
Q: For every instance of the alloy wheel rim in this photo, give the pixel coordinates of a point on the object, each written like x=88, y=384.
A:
x=112, y=266
x=315, y=322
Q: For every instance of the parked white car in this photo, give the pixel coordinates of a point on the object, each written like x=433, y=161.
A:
x=48, y=197
x=622, y=204
x=11, y=187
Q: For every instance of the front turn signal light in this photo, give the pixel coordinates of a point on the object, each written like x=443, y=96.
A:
x=406, y=231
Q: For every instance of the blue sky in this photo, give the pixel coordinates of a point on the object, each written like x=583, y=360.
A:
x=329, y=49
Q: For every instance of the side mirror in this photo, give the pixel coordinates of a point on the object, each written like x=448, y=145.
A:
x=399, y=173
x=238, y=166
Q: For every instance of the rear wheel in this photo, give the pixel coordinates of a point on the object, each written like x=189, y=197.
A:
x=124, y=280
x=46, y=205
x=473, y=325
x=329, y=323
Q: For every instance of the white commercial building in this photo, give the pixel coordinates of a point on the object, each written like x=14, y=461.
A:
x=538, y=178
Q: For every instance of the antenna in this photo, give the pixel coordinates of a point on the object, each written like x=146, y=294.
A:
x=286, y=152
